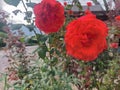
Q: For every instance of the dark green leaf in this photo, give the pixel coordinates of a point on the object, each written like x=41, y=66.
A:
x=42, y=51
x=42, y=38
x=52, y=51
x=54, y=61
x=22, y=39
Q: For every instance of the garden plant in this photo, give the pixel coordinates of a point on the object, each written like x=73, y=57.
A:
x=73, y=53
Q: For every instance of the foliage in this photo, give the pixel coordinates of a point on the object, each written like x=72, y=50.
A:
x=2, y=44
x=3, y=25
x=45, y=78
x=31, y=41
x=16, y=54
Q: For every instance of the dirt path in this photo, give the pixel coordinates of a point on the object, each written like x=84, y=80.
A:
x=3, y=61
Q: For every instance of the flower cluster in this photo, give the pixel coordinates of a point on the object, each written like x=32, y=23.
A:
x=114, y=45
x=85, y=37
x=65, y=3
x=89, y=4
x=117, y=18
x=49, y=16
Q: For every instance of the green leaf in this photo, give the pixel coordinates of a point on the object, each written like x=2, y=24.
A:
x=3, y=35
x=42, y=38
x=42, y=51
x=22, y=39
x=12, y=2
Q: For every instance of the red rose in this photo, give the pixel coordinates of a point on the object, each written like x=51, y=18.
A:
x=114, y=45
x=49, y=16
x=89, y=4
x=85, y=37
x=65, y=3
x=117, y=18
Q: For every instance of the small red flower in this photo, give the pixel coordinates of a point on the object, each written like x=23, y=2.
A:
x=114, y=45
x=49, y=16
x=89, y=4
x=117, y=18
x=85, y=37
x=65, y=3
x=70, y=12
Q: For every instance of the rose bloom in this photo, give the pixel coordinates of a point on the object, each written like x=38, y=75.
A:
x=65, y=3
x=117, y=18
x=114, y=45
x=89, y=4
x=49, y=16
x=85, y=37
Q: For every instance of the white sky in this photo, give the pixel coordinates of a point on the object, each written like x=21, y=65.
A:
x=19, y=18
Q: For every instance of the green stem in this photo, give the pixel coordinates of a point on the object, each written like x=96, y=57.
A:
x=5, y=83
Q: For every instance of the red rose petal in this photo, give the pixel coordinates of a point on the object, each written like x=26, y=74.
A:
x=49, y=16
x=85, y=37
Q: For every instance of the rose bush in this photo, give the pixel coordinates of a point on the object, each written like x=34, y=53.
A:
x=56, y=66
